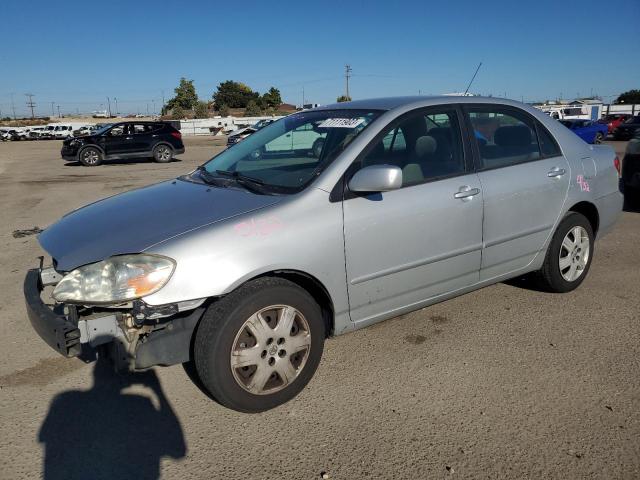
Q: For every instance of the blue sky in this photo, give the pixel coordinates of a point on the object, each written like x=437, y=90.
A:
x=77, y=53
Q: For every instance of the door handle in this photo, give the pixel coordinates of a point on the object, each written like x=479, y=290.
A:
x=466, y=192
x=556, y=172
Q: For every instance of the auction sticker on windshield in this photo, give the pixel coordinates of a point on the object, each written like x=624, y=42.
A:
x=341, y=123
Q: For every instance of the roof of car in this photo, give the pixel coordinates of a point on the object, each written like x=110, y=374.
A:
x=389, y=103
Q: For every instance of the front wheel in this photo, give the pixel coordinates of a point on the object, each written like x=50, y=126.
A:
x=259, y=346
x=599, y=138
x=569, y=255
x=90, y=157
x=162, y=153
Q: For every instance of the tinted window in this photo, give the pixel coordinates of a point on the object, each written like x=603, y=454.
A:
x=548, y=144
x=426, y=146
x=504, y=136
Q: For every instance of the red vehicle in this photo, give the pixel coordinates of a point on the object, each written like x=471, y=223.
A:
x=613, y=121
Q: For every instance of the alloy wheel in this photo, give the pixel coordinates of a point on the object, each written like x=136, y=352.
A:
x=574, y=253
x=90, y=157
x=270, y=349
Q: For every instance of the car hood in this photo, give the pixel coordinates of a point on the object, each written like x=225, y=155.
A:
x=134, y=221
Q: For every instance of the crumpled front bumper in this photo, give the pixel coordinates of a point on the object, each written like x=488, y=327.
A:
x=56, y=330
x=162, y=338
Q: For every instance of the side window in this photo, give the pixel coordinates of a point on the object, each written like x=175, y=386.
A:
x=504, y=137
x=426, y=146
x=548, y=144
x=117, y=131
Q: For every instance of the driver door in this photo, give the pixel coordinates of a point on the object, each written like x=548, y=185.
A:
x=408, y=246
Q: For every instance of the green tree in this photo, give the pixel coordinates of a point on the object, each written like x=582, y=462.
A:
x=177, y=113
x=343, y=98
x=253, y=109
x=223, y=110
x=186, y=97
x=632, y=96
x=272, y=98
x=234, y=94
x=202, y=110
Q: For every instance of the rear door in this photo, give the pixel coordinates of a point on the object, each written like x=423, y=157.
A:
x=143, y=137
x=525, y=181
x=409, y=245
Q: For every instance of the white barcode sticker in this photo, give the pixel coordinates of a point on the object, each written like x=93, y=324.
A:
x=341, y=123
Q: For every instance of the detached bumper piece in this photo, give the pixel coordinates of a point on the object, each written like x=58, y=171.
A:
x=56, y=330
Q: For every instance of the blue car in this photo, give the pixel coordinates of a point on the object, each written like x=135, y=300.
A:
x=588, y=130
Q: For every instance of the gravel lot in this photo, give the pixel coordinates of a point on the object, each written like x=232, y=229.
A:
x=504, y=382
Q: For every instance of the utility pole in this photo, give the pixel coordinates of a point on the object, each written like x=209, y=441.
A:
x=162, y=110
x=347, y=75
x=153, y=102
x=13, y=107
x=30, y=103
x=109, y=106
x=147, y=109
x=53, y=114
x=116, y=100
x=59, y=116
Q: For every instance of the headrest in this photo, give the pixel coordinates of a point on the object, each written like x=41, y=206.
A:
x=512, y=136
x=426, y=145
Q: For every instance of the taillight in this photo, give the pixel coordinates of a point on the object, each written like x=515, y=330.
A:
x=616, y=163
x=177, y=135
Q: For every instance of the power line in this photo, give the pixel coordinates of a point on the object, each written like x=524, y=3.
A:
x=347, y=75
x=30, y=103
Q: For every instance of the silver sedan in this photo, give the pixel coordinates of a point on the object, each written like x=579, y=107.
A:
x=324, y=222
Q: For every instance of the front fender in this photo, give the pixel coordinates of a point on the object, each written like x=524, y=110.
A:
x=302, y=233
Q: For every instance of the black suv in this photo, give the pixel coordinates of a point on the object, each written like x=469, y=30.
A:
x=125, y=140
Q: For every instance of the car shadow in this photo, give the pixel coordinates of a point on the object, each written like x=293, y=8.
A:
x=122, y=161
x=105, y=432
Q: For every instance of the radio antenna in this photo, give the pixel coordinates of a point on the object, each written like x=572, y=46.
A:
x=473, y=78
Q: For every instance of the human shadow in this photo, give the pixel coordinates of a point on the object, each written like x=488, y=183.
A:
x=107, y=433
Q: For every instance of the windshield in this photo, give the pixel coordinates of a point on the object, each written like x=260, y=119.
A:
x=287, y=154
x=102, y=129
x=633, y=120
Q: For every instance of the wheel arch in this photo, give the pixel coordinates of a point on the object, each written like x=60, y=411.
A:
x=313, y=286
x=91, y=145
x=162, y=142
x=590, y=211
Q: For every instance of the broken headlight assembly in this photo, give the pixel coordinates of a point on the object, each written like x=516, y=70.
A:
x=117, y=279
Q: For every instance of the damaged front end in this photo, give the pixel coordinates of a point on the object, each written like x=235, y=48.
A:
x=133, y=334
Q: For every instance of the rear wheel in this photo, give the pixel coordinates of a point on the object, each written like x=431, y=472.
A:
x=569, y=255
x=162, y=153
x=599, y=138
x=259, y=346
x=90, y=157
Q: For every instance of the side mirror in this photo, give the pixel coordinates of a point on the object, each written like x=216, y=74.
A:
x=376, y=178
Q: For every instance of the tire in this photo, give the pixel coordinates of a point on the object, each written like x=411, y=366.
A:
x=255, y=381
x=567, y=262
x=598, y=138
x=90, y=157
x=162, y=153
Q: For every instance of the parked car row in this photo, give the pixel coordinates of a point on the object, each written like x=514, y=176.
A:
x=620, y=127
x=48, y=132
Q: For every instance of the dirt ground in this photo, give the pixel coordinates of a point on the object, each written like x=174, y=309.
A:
x=504, y=382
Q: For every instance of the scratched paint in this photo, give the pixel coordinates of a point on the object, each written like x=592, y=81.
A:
x=260, y=227
x=584, y=185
